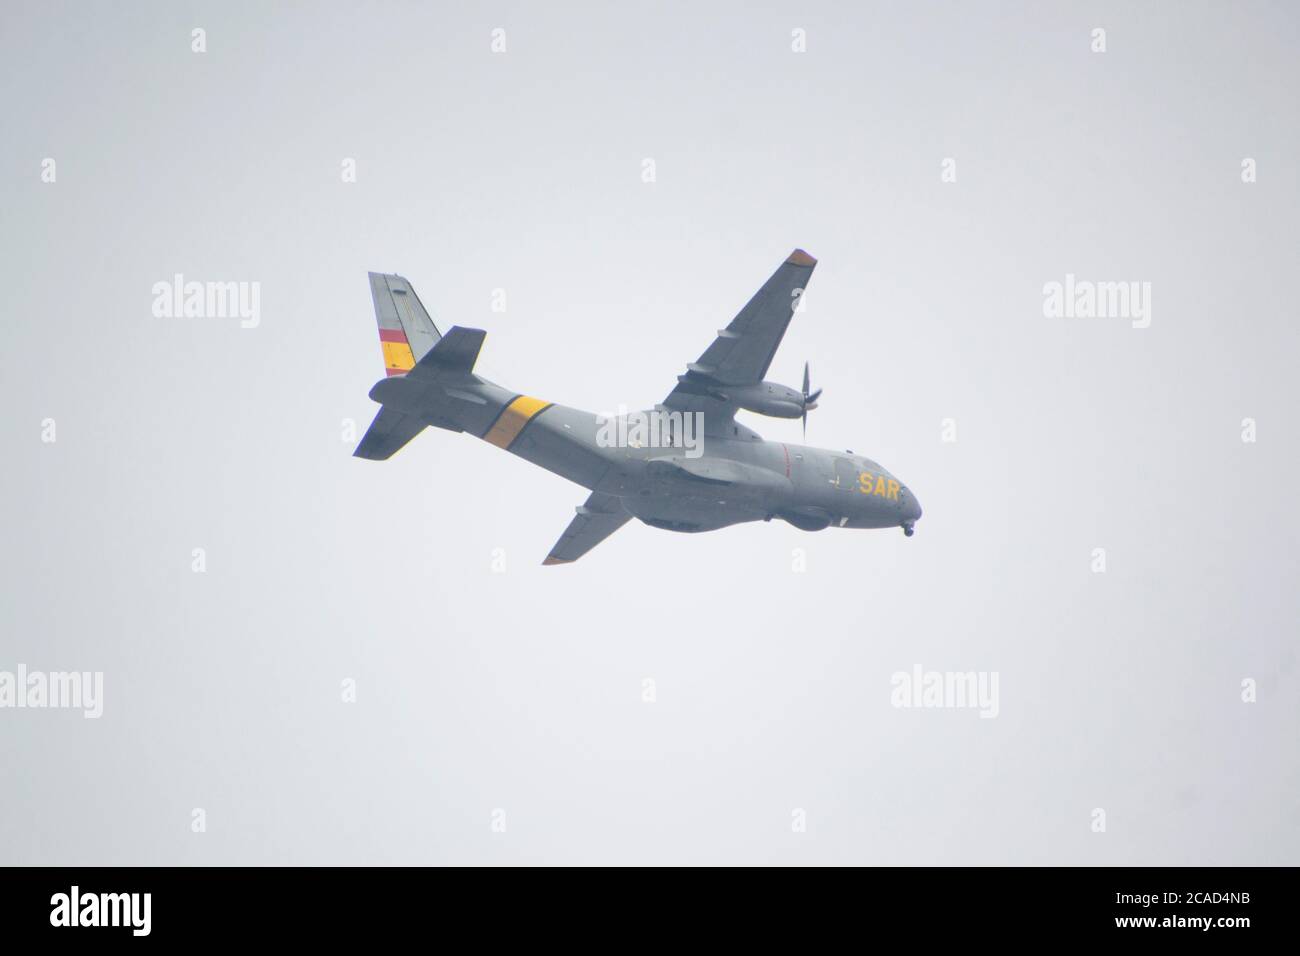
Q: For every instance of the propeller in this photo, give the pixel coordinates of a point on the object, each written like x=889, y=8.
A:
x=809, y=400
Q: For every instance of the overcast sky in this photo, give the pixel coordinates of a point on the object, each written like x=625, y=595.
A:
x=500, y=712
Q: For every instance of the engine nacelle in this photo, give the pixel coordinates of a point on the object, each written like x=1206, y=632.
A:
x=765, y=398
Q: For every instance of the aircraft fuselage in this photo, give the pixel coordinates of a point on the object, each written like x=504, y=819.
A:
x=722, y=480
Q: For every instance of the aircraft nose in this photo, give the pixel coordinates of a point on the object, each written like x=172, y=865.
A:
x=911, y=506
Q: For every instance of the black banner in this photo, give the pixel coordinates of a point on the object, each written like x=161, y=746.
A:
x=1149, y=905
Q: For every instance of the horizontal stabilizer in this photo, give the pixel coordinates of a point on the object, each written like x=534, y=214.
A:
x=457, y=351
x=387, y=434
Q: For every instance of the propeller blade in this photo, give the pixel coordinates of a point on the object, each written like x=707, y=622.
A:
x=809, y=401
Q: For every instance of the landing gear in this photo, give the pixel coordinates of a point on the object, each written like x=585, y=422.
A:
x=908, y=528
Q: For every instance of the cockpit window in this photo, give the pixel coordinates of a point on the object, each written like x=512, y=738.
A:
x=875, y=469
x=846, y=475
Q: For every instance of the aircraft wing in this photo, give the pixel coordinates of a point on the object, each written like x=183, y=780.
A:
x=743, y=351
x=599, y=517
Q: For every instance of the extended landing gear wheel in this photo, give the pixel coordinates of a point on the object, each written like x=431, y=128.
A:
x=909, y=530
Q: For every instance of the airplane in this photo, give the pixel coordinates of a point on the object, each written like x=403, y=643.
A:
x=687, y=465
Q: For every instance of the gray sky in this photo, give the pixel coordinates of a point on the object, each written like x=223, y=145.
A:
x=522, y=691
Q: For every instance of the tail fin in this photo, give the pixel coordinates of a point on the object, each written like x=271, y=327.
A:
x=406, y=333
x=454, y=353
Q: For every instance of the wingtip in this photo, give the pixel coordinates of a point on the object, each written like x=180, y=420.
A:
x=801, y=258
x=554, y=560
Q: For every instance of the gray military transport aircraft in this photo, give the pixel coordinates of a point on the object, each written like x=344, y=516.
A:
x=686, y=465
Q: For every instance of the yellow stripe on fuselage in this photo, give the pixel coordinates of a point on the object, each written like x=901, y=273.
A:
x=512, y=421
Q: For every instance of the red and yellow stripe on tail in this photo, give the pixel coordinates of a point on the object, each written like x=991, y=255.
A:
x=398, y=357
